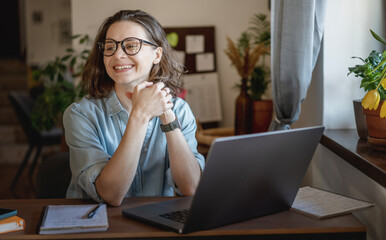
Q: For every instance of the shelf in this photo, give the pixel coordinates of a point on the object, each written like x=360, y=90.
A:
x=357, y=152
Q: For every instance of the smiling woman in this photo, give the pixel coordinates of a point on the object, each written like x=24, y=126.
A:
x=123, y=69
x=131, y=136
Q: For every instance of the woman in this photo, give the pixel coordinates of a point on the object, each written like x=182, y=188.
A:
x=131, y=136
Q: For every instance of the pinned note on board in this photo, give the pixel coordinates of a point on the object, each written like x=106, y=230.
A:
x=204, y=62
x=195, y=43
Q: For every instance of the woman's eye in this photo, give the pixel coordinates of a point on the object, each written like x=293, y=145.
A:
x=109, y=47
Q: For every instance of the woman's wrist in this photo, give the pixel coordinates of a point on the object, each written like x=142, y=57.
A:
x=140, y=117
x=167, y=117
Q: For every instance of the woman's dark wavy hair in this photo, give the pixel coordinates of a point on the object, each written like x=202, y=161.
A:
x=169, y=70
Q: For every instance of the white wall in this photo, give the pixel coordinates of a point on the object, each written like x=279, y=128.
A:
x=230, y=18
x=347, y=34
x=43, y=39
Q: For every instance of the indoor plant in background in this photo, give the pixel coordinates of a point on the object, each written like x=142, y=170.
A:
x=373, y=74
x=58, y=88
x=258, y=82
x=244, y=55
x=57, y=80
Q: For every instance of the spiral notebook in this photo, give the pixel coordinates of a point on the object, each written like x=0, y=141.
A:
x=58, y=219
x=320, y=204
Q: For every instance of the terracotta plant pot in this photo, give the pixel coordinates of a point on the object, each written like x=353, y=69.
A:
x=376, y=126
x=261, y=115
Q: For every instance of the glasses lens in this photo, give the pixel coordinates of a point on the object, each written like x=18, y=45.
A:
x=109, y=47
x=131, y=46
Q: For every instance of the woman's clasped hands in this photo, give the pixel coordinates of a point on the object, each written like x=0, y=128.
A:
x=151, y=99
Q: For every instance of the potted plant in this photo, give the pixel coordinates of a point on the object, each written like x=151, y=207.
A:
x=57, y=87
x=252, y=44
x=258, y=82
x=262, y=109
x=57, y=80
x=373, y=74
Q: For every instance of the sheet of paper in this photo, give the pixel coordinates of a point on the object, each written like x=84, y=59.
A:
x=203, y=96
x=194, y=43
x=70, y=216
x=181, y=56
x=204, y=62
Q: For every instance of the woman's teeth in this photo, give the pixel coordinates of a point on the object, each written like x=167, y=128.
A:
x=122, y=67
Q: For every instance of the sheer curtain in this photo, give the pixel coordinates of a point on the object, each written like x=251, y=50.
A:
x=296, y=34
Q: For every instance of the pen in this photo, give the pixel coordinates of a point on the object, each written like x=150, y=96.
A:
x=94, y=211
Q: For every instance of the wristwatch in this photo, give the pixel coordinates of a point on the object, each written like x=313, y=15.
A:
x=171, y=126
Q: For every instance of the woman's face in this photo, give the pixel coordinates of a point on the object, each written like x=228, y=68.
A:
x=128, y=71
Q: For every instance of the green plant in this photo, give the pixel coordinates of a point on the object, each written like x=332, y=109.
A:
x=259, y=81
x=245, y=55
x=373, y=74
x=57, y=78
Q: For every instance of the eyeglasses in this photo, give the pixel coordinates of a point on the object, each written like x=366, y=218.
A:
x=130, y=46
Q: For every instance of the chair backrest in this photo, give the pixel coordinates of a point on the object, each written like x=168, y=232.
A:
x=23, y=105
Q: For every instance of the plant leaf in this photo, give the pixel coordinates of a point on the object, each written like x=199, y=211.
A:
x=76, y=36
x=65, y=58
x=377, y=37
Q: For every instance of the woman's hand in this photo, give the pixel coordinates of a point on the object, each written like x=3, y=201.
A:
x=150, y=100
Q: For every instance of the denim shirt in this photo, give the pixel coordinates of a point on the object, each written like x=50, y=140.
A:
x=93, y=131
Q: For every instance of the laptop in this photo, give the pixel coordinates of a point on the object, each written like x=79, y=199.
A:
x=245, y=177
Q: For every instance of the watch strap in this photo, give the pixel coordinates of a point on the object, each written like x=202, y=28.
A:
x=171, y=126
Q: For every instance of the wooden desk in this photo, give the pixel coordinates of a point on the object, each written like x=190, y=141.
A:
x=283, y=225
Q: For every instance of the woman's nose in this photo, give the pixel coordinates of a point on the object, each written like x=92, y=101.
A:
x=119, y=53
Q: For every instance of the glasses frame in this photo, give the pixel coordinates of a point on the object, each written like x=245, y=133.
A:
x=141, y=42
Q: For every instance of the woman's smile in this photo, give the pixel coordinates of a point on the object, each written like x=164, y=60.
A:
x=123, y=67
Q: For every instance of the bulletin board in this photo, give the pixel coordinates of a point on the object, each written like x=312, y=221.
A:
x=195, y=46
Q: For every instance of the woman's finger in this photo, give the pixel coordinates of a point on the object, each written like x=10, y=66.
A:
x=160, y=85
x=143, y=85
x=166, y=90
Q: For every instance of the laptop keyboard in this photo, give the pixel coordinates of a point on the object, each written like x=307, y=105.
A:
x=178, y=216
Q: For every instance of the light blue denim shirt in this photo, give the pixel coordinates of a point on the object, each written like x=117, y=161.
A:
x=94, y=129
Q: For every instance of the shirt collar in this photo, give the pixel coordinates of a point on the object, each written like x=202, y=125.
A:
x=113, y=103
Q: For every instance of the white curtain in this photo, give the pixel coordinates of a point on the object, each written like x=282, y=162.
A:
x=296, y=36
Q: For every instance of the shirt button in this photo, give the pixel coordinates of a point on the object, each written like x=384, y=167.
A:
x=145, y=149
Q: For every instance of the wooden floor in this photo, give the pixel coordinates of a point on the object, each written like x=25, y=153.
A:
x=24, y=188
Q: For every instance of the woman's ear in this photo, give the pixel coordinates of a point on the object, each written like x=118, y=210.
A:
x=158, y=55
